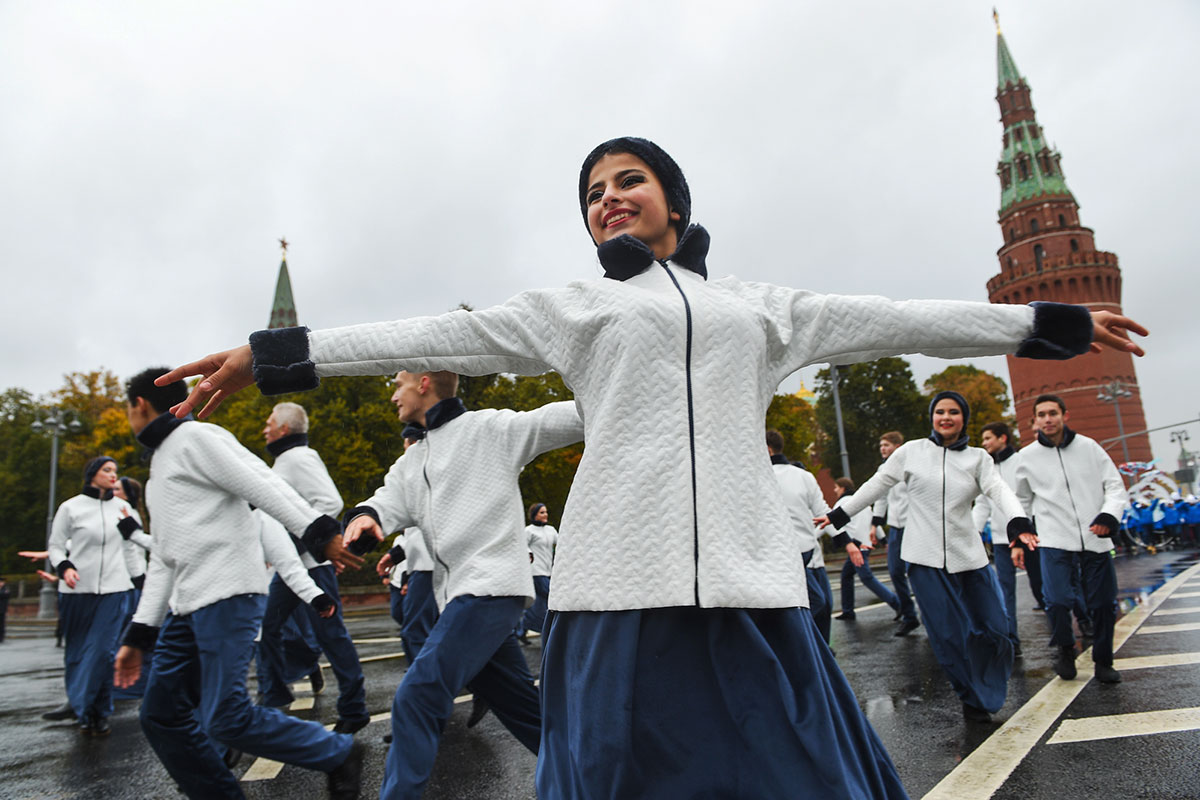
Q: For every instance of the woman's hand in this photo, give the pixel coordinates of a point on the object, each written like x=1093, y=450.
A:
x=856, y=556
x=384, y=564
x=221, y=375
x=127, y=667
x=34, y=555
x=70, y=577
x=1112, y=330
x=821, y=522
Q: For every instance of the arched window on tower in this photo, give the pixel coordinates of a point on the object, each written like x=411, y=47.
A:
x=1074, y=245
x=1023, y=166
x=1062, y=221
x=1039, y=255
x=1012, y=234
x=1033, y=226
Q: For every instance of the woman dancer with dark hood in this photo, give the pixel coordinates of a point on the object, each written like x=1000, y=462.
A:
x=659, y=574
x=958, y=592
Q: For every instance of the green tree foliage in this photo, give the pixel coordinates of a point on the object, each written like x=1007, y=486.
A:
x=797, y=421
x=986, y=393
x=876, y=396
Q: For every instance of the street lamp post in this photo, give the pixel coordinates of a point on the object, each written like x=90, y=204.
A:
x=1112, y=393
x=55, y=426
x=837, y=410
x=1185, y=463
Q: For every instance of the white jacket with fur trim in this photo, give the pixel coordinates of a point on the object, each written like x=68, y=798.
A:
x=304, y=471
x=942, y=483
x=1068, y=488
x=983, y=511
x=803, y=500
x=208, y=546
x=674, y=503
x=86, y=526
x=459, y=485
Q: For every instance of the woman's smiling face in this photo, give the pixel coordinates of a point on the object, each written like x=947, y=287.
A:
x=625, y=196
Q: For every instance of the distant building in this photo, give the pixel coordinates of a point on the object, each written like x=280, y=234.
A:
x=283, y=309
x=1048, y=255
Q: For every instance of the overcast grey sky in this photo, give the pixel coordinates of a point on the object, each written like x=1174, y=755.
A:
x=422, y=155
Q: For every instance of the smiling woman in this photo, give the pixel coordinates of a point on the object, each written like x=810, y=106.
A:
x=673, y=375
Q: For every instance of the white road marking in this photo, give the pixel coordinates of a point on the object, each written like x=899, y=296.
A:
x=985, y=770
x=1148, y=662
x=1185, y=610
x=1182, y=595
x=1179, y=626
x=1143, y=723
x=381, y=640
x=301, y=704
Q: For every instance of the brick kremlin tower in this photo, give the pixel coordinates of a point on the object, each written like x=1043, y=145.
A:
x=1048, y=255
x=283, y=309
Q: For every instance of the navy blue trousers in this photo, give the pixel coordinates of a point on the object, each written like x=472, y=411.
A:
x=139, y=688
x=534, y=618
x=967, y=626
x=331, y=634
x=92, y=625
x=472, y=641
x=396, y=604
x=1006, y=573
x=868, y=580
x=1098, y=592
x=820, y=596
x=1033, y=569
x=196, y=695
x=898, y=570
x=420, y=613
x=651, y=704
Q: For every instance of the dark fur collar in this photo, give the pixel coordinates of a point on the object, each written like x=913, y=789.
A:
x=92, y=491
x=625, y=256
x=959, y=444
x=779, y=458
x=160, y=428
x=285, y=443
x=445, y=411
x=1004, y=455
x=1068, y=436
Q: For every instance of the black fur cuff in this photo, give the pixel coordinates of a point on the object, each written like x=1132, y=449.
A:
x=281, y=363
x=841, y=540
x=322, y=603
x=879, y=522
x=127, y=525
x=397, y=554
x=1108, y=521
x=838, y=518
x=138, y=581
x=63, y=566
x=318, y=534
x=141, y=637
x=358, y=511
x=1060, y=331
x=1017, y=526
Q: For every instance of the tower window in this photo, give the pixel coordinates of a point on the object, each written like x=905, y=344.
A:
x=1023, y=166
x=1033, y=226
x=1039, y=256
x=1012, y=234
x=1062, y=221
x=1074, y=245
x=1018, y=134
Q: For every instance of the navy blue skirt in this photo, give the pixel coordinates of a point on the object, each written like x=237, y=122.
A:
x=694, y=703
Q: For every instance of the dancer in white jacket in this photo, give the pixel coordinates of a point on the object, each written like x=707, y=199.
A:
x=948, y=566
x=673, y=375
x=542, y=539
x=1072, y=488
x=994, y=438
x=95, y=591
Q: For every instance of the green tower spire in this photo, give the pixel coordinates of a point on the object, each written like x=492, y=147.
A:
x=1029, y=168
x=283, y=309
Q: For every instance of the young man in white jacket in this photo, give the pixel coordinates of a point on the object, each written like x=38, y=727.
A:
x=1072, y=489
x=994, y=440
x=459, y=485
x=204, y=598
x=286, y=432
x=891, y=511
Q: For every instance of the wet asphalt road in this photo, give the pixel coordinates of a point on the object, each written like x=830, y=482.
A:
x=898, y=683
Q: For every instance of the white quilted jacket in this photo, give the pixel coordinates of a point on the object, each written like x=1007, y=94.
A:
x=674, y=503
x=459, y=485
x=302, y=468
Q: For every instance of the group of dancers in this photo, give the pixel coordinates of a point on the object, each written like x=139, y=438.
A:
x=676, y=545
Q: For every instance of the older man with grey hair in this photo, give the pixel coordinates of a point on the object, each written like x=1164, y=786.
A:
x=286, y=432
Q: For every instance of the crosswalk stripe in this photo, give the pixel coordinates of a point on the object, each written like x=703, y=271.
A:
x=1142, y=723
x=1182, y=595
x=1185, y=610
x=989, y=766
x=1181, y=626
x=1147, y=662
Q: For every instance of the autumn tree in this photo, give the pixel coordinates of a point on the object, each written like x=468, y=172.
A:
x=796, y=419
x=876, y=396
x=987, y=394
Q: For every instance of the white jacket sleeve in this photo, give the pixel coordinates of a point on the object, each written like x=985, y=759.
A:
x=1115, y=495
x=60, y=531
x=305, y=472
x=888, y=475
x=998, y=492
x=280, y=551
x=390, y=502
x=550, y=427
x=981, y=513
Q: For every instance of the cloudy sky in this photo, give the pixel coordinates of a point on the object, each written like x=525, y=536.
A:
x=421, y=155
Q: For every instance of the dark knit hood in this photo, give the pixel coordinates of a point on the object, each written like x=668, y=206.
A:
x=935, y=437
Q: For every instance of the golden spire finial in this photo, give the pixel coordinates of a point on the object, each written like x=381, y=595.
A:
x=996, y=18
x=283, y=242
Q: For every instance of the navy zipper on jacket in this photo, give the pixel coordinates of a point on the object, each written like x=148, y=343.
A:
x=687, y=309
x=945, y=556
x=431, y=535
x=1071, y=497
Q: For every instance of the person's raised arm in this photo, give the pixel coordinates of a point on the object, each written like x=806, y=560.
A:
x=386, y=510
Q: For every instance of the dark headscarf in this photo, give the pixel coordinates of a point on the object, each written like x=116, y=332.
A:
x=93, y=467
x=679, y=197
x=533, y=510
x=961, y=401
